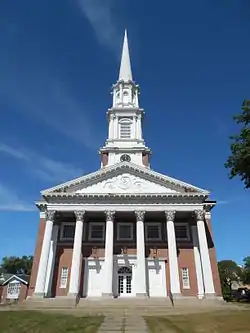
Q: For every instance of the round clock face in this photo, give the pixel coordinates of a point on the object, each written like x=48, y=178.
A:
x=125, y=158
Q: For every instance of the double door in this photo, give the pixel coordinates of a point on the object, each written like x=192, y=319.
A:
x=124, y=285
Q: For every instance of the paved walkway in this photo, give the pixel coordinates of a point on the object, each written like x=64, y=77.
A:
x=126, y=322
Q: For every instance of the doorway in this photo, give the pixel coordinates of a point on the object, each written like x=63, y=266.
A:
x=124, y=282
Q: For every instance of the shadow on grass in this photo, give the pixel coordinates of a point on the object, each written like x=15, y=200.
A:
x=221, y=321
x=38, y=322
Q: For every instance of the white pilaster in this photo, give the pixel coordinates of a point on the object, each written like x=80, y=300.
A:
x=197, y=260
x=205, y=259
x=76, y=257
x=141, y=289
x=51, y=261
x=44, y=257
x=172, y=254
x=108, y=264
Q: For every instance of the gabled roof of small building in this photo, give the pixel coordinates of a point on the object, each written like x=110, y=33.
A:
x=6, y=277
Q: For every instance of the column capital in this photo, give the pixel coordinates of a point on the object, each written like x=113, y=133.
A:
x=199, y=214
x=49, y=214
x=79, y=214
x=170, y=215
x=110, y=214
x=140, y=215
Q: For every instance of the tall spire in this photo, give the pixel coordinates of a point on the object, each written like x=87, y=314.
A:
x=125, y=68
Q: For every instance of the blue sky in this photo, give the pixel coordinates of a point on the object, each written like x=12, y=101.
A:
x=58, y=61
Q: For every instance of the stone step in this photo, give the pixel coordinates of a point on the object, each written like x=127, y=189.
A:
x=36, y=303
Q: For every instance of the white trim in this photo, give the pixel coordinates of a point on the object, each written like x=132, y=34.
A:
x=64, y=285
x=63, y=224
x=16, y=277
x=187, y=229
x=159, y=225
x=124, y=207
x=42, y=215
x=125, y=224
x=184, y=270
x=90, y=230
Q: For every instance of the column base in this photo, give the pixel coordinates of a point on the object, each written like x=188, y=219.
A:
x=107, y=295
x=38, y=295
x=210, y=296
x=141, y=295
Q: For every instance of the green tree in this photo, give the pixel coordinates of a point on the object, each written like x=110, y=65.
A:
x=229, y=273
x=17, y=265
x=246, y=272
x=239, y=160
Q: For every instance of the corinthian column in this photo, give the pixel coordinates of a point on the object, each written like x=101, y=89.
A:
x=44, y=257
x=141, y=289
x=205, y=259
x=108, y=264
x=172, y=254
x=76, y=257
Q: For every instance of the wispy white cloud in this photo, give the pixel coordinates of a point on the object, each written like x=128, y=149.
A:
x=43, y=167
x=100, y=15
x=10, y=201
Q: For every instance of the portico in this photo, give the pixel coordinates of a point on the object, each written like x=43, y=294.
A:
x=129, y=270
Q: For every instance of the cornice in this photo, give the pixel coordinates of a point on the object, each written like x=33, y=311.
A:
x=148, y=174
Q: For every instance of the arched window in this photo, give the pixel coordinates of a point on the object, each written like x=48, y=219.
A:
x=125, y=270
x=125, y=128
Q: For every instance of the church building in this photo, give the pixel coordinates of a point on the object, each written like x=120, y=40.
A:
x=125, y=230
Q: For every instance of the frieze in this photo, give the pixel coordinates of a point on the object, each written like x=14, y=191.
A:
x=126, y=183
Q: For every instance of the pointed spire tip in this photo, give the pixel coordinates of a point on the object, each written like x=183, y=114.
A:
x=125, y=67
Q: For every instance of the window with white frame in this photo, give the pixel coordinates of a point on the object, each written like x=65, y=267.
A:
x=64, y=277
x=182, y=231
x=153, y=231
x=185, y=278
x=96, y=231
x=13, y=290
x=67, y=231
x=125, y=231
x=125, y=125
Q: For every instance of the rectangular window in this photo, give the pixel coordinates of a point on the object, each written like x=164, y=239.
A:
x=64, y=277
x=125, y=130
x=185, y=278
x=182, y=231
x=96, y=231
x=153, y=231
x=125, y=231
x=67, y=231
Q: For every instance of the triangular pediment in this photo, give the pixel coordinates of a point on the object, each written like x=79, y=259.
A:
x=125, y=178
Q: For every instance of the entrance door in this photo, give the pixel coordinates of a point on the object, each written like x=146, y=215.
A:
x=124, y=282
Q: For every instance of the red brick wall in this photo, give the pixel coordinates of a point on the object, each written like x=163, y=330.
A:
x=63, y=259
x=38, y=249
x=213, y=259
x=186, y=260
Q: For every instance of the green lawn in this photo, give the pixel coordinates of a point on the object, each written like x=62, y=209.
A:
x=213, y=322
x=38, y=322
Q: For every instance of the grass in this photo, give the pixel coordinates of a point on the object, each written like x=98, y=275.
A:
x=38, y=322
x=213, y=322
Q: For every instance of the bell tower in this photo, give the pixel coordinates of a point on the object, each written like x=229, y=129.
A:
x=125, y=140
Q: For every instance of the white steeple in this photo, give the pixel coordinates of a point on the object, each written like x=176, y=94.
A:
x=125, y=140
x=125, y=73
